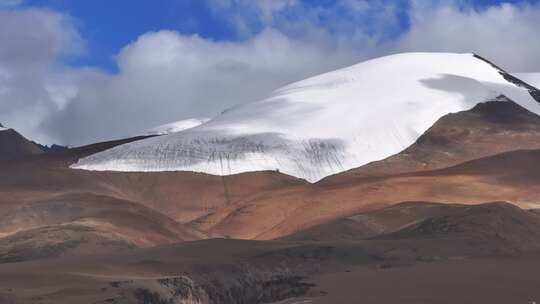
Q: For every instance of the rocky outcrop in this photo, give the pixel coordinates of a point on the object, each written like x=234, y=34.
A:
x=247, y=287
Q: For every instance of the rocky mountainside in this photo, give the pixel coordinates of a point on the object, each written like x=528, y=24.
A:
x=15, y=146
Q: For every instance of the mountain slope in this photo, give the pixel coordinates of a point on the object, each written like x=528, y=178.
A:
x=492, y=224
x=83, y=223
x=266, y=205
x=376, y=223
x=15, y=146
x=483, y=245
x=513, y=177
x=489, y=128
x=329, y=123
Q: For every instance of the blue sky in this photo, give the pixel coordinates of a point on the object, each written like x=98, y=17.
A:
x=77, y=71
x=107, y=26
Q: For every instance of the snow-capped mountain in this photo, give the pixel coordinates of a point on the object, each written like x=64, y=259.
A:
x=177, y=126
x=329, y=123
x=2, y=128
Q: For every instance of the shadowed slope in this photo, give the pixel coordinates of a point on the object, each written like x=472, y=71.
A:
x=374, y=223
x=14, y=146
x=503, y=222
x=498, y=226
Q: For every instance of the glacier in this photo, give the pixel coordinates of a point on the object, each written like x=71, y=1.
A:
x=176, y=126
x=328, y=123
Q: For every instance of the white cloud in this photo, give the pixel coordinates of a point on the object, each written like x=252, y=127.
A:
x=32, y=41
x=507, y=34
x=165, y=76
x=36, y=37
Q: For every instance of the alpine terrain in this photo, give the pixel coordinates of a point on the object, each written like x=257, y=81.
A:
x=330, y=123
x=411, y=178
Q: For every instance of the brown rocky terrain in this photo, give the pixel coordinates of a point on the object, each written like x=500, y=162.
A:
x=84, y=224
x=75, y=236
x=497, y=227
x=510, y=177
x=447, y=241
x=475, y=135
x=15, y=146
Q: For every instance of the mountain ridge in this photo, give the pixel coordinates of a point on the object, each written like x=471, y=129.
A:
x=328, y=123
x=15, y=146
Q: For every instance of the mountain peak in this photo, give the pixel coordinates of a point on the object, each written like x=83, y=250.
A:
x=535, y=93
x=15, y=146
x=328, y=123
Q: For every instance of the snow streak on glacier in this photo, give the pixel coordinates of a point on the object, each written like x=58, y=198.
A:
x=177, y=126
x=326, y=124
